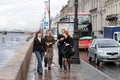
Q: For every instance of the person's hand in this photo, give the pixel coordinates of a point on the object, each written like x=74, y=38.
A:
x=67, y=44
x=58, y=41
x=61, y=39
x=48, y=44
x=45, y=53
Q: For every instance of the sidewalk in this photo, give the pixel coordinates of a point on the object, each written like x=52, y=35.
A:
x=82, y=71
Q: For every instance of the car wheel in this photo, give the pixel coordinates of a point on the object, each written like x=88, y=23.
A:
x=90, y=58
x=97, y=61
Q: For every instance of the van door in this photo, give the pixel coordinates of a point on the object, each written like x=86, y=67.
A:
x=116, y=36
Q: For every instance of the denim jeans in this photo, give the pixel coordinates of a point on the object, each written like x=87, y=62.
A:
x=39, y=56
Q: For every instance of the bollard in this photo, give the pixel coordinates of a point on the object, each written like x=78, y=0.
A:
x=3, y=39
x=17, y=39
x=11, y=38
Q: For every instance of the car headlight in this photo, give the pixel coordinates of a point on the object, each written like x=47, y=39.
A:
x=100, y=52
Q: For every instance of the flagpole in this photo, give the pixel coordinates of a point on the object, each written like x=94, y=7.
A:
x=45, y=20
x=49, y=16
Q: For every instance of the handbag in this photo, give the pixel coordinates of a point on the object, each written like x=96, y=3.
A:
x=72, y=51
x=64, y=50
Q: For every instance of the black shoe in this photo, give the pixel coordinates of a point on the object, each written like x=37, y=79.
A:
x=65, y=68
x=60, y=66
x=69, y=67
x=45, y=64
x=45, y=61
x=40, y=73
x=49, y=68
x=37, y=70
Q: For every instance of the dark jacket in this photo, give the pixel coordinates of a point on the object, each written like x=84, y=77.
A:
x=39, y=46
x=67, y=49
x=49, y=39
x=60, y=43
x=69, y=40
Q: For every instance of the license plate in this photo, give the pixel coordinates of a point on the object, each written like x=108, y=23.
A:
x=112, y=56
x=81, y=46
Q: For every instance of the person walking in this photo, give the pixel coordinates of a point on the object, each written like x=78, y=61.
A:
x=49, y=42
x=39, y=48
x=68, y=43
x=60, y=42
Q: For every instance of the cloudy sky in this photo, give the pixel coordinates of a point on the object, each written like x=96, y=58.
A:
x=25, y=14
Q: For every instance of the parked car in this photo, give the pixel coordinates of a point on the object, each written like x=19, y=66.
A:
x=84, y=42
x=104, y=50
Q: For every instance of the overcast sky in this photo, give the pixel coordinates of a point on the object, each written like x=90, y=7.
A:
x=25, y=14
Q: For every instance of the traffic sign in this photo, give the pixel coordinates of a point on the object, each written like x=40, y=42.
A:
x=45, y=23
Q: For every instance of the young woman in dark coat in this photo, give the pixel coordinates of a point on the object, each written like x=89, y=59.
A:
x=60, y=44
x=68, y=43
x=39, y=48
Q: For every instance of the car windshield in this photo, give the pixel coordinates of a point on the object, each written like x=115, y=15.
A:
x=107, y=43
x=86, y=38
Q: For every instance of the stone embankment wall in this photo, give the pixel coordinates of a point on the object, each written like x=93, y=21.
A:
x=17, y=67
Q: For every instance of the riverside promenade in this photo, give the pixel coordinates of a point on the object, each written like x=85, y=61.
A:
x=82, y=71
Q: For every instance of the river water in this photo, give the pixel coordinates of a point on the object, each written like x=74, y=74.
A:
x=9, y=45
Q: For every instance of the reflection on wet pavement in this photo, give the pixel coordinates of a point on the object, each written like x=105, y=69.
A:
x=55, y=73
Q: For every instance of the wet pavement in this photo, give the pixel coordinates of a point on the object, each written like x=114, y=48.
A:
x=82, y=71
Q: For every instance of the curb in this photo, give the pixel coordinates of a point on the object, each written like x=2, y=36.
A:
x=97, y=70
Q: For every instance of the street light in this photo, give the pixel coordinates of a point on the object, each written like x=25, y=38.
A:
x=49, y=16
x=75, y=58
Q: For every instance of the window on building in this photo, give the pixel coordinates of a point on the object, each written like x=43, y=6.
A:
x=119, y=7
x=111, y=10
x=96, y=3
x=116, y=8
x=118, y=22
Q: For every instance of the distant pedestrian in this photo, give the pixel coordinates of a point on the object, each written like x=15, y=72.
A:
x=60, y=44
x=39, y=47
x=100, y=35
x=49, y=42
x=66, y=50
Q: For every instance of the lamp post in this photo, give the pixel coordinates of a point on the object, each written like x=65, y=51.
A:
x=75, y=58
x=49, y=16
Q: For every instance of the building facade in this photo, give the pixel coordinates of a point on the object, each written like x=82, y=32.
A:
x=103, y=12
x=97, y=10
x=113, y=12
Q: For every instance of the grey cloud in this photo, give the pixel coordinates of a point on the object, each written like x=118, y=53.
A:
x=29, y=12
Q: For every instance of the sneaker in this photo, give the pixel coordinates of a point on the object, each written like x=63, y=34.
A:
x=49, y=68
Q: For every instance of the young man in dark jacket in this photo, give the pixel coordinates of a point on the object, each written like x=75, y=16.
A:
x=49, y=49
